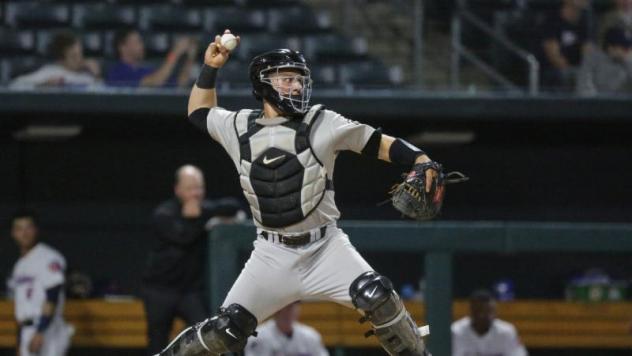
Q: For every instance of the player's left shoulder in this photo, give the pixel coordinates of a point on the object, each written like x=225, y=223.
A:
x=307, y=331
x=51, y=256
x=49, y=250
x=504, y=328
x=328, y=114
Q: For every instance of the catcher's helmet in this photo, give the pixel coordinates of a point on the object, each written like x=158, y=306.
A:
x=271, y=62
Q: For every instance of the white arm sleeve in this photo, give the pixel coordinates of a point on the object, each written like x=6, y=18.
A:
x=349, y=135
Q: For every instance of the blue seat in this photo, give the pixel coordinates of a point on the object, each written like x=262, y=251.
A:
x=297, y=20
x=325, y=75
x=170, y=18
x=16, y=43
x=103, y=16
x=365, y=73
x=157, y=44
x=2, y=13
x=4, y=71
x=267, y=4
x=234, y=75
x=43, y=39
x=240, y=21
x=23, y=65
x=37, y=15
x=206, y=3
x=94, y=44
x=253, y=45
x=333, y=48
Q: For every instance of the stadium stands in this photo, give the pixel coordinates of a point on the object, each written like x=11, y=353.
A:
x=27, y=26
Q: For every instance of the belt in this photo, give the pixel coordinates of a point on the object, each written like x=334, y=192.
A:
x=294, y=240
x=27, y=322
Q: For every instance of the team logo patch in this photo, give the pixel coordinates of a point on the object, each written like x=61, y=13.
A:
x=55, y=266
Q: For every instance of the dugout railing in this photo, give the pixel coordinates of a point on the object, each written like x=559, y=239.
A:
x=439, y=241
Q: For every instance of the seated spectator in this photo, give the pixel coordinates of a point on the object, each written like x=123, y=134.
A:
x=620, y=16
x=608, y=71
x=70, y=68
x=565, y=38
x=130, y=71
x=482, y=334
x=284, y=336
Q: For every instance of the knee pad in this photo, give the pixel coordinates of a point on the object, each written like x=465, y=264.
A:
x=373, y=294
x=228, y=331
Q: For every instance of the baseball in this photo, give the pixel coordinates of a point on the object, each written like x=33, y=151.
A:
x=229, y=41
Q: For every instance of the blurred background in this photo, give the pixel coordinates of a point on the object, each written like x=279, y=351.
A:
x=530, y=98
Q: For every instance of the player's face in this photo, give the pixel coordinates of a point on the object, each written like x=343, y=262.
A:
x=289, y=314
x=190, y=187
x=24, y=232
x=483, y=314
x=73, y=57
x=287, y=81
x=133, y=46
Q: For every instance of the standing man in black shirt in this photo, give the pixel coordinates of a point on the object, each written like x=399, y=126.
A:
x=173, y=279
x=565, y=39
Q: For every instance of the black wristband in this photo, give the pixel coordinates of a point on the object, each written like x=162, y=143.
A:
x=43, y=323
x=207, y=77
x=404, y=153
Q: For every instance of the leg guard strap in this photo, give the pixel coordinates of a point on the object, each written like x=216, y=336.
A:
x=373, y=294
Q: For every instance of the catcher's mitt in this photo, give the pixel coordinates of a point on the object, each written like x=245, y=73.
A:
x=410, y=197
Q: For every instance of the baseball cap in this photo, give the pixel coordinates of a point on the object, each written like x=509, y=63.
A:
x=617, y=36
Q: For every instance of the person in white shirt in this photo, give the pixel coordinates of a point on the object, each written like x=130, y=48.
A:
x=70, y=69
x=285, y=336
x=37, y=286
x=482, y=334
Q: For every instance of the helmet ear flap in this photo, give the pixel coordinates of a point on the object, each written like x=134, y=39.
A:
x=256, y=95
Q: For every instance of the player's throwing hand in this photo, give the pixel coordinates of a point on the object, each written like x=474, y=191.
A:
x=216, y=54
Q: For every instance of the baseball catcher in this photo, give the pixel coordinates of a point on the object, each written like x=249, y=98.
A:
x=284, y=155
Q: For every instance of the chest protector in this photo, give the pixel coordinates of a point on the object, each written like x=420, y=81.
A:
x=280, y=175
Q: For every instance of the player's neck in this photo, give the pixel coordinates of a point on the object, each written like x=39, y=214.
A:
x=269, y=111
x=481, y=330
x=285, y=328
x=129, y=60
x=26, y=249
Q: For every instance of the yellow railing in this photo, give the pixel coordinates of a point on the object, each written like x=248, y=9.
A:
x=541, y=324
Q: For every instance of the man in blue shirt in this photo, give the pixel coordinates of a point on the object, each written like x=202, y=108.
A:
x=130, y=71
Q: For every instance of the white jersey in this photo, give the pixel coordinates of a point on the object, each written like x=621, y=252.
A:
x=270, y=341
x=501, y=340
x=53, y=71
x=330, y=134
x=40, y=269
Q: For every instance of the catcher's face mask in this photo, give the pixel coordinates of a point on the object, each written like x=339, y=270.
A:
x=292, y=83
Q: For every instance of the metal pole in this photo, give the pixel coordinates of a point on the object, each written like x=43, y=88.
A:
x=455, y=65
x=534, y=75
x=418, y=18
x=438, y=265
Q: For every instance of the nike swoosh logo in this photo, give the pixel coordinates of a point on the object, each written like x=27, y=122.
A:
x=268, y=161
x=229, y=333
x=370, y=295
